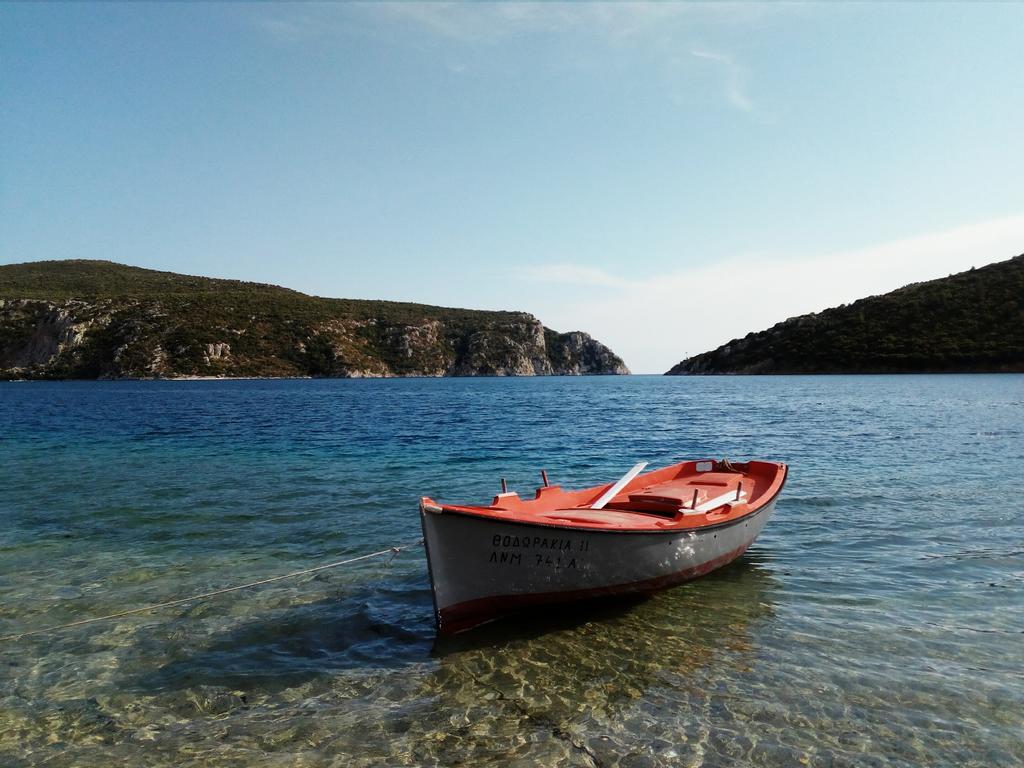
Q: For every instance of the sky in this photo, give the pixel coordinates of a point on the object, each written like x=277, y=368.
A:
x=666, y=177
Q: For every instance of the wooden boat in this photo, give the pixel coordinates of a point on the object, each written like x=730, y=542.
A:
x=640, y=534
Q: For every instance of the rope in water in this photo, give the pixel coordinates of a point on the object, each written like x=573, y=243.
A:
x=393, y=551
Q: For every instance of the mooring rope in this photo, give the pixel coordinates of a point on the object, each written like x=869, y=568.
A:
x=393, y=551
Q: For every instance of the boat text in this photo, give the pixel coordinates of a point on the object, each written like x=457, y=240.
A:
x=516, y=558
x=508, y=550
x=538, y=542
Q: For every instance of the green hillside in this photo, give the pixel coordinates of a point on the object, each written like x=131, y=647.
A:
x=87, y=319
x=82, y=279
x=972, y=321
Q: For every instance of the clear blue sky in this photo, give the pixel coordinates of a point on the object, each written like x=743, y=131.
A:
x=568, y=160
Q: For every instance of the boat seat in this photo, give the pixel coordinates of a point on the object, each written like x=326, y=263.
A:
x=675, y=497
x=715, y=478
x=664, y=500
x=658, y=509
x=664, y=494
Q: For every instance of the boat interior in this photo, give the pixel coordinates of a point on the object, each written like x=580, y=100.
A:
x=691, y=494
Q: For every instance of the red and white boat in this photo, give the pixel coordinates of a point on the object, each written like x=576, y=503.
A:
x=640, y=534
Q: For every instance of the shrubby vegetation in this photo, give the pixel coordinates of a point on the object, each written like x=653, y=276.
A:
x=972, y=321
x=109, y=320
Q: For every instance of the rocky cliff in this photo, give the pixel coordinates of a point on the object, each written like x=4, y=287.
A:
x=969, y=322
x=86, y=319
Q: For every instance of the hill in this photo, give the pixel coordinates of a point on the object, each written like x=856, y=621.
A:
x=98, y=319
x=968, y=322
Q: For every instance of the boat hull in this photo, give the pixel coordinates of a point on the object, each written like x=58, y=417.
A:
x=483, y=568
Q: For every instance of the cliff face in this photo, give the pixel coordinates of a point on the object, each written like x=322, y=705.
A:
x=253, y=330
x=968, y=322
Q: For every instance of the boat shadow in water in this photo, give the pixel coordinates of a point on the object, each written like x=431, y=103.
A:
x=380, y=625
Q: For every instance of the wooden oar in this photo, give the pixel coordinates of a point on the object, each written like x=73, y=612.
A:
x=614, y=490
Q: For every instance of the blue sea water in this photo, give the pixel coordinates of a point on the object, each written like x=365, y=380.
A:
x=879, y=619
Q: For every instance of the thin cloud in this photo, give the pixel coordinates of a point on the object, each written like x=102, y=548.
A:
x=735, y=75
x=489, y=21
x=654, y=28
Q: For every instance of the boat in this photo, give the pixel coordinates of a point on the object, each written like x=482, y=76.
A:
x=643, y=533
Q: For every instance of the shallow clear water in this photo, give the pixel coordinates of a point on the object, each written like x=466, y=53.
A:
x=879, y=620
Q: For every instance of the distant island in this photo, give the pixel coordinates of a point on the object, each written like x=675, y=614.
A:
x=80, y=319
x=969, y=322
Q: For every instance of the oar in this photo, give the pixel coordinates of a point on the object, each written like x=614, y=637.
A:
x=613, y=491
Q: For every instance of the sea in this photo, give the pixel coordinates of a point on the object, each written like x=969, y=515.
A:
x=877, y=621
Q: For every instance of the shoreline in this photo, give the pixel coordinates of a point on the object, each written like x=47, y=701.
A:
x=549, y=376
